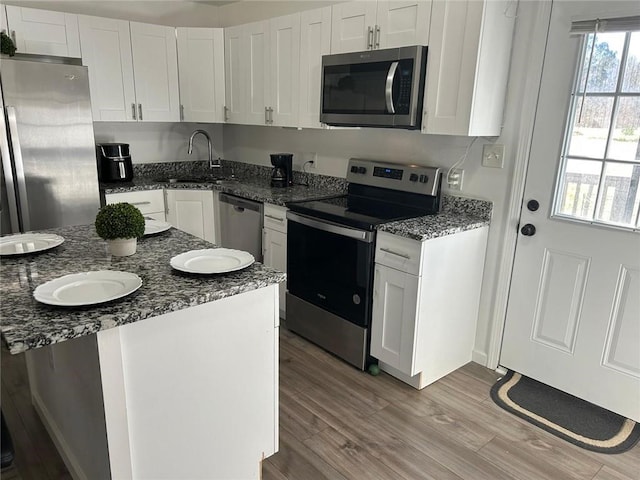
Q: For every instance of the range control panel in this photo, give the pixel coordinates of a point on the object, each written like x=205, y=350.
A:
x=406, y=178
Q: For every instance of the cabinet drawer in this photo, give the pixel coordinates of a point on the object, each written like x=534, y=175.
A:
x=398, y=252
x=147, y=201
x=275, y=217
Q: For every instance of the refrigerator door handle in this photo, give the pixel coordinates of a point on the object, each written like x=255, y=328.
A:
x=9, y=183
x=23, y=205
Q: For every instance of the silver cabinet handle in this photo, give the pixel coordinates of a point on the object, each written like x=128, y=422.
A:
x=270, y=115
x=140, y=203
x=226, y=113
x=369, y=38
x=274, y=218
x=133, y=111
x=181, y=113
x=12, y=120
x=140, y=111
x=377, y=37
x=266, y=115
x=403, y=255
x=14, y=38
x=388, y=90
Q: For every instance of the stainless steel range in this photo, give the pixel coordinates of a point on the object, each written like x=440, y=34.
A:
x=331, y=247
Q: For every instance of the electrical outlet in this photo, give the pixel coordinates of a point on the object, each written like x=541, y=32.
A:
x=454, y=180
x=493, y=155
x=310, y=157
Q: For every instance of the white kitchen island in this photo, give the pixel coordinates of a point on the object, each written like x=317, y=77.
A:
x=178, y=380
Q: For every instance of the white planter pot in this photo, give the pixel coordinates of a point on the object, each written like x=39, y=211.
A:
x=122, y=247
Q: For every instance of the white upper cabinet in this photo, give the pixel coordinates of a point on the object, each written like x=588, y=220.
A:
x=284, y=88
x=370, y=25
x=155, y=60
x=262, y=68
x=201, y=74
x=467, y=67
x=43, y=32
x=106, y=50
x=133, y=70
x=315, y=41
x=233, y=74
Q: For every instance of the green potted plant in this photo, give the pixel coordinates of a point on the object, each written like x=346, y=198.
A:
x=120, y=224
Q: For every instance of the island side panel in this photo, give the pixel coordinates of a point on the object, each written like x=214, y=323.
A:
x=200, y=389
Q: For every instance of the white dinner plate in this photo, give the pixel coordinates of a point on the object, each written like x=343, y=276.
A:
x=22, y=243
x=151, y=226
x=87, y=288
x=212, y=260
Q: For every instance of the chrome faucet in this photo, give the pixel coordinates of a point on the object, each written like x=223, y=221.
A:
x=212, y=164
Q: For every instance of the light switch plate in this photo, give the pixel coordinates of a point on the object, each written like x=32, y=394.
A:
x=493, y=155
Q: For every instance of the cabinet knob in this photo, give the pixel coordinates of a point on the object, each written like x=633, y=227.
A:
x=528, y=230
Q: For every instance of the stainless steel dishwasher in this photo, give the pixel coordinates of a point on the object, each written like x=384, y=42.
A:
x=241, y=224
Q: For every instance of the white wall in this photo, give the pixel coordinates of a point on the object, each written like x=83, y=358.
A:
x=160, y=142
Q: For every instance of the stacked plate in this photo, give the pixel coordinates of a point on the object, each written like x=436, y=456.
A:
x=212, y=260
x=151, y=226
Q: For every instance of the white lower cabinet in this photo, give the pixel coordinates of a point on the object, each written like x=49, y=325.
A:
x=192, y=211
x=425, y=304
x=149, y=202
x=274, y=244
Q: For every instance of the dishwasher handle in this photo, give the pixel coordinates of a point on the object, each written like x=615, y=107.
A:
x=240, y=204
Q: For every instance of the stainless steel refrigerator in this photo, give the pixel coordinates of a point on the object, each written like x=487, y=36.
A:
x=49, y=175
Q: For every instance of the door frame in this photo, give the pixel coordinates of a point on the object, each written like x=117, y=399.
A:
x=539, y=29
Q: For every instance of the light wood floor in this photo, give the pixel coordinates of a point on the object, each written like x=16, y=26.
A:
x=338, y=423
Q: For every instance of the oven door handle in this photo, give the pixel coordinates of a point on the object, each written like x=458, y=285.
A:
x=361, y=235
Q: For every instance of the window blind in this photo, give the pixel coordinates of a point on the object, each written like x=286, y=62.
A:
x=622, y=24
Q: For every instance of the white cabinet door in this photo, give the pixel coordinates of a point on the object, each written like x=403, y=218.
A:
x=155, y=60
x=352, y=26
x=192, y=211
x=43, y=32
x=315, y=41
x=402, y=22
x=106, y=50
x=284, y=98
x=149, y=202
x=274, y=252
x=394, y=323
x=234, y=77
x=256, y=69
x=201, y=74
x=468, y=64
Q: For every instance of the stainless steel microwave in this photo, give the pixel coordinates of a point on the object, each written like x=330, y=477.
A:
x=375, y=88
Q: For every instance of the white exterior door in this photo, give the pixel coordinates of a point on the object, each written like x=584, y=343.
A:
x=285, y=70
x=155, y=58
x=573, y=320
x=106, y=51
x=201, y=72
x=315, y=41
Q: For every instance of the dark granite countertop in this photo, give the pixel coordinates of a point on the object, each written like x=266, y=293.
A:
x=28, y=324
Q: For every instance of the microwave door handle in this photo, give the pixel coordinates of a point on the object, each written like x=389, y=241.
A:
x=388, y=91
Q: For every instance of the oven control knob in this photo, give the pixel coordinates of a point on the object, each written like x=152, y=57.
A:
x=424, y=179
x=362, y=170
x=354, y=169
x=413, y=177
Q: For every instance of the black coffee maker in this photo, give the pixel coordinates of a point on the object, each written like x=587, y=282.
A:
x=282, y=175
x=114, y=162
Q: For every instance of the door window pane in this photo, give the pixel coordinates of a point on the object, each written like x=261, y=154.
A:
x=624, y=141
x=591, y=127
x=619, y=203
x=631, y=79
x=605, y=62
x=580, y=188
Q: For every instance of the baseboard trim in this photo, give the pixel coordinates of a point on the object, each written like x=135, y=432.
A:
x=480, y=357
x=62, y=446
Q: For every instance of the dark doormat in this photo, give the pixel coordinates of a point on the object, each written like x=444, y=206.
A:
x=568, y=417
